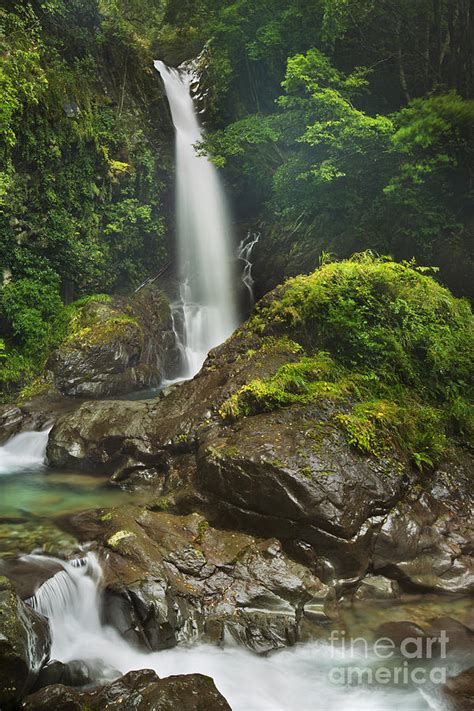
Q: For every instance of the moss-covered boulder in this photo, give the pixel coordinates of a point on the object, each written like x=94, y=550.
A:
x=322, y=422
x=115, y=346
x=24, y=645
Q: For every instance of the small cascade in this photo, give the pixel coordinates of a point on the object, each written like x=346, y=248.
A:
x=71, y=600
x=23, y=452
x=287, y=680
x=206, y=311
x=244, y=254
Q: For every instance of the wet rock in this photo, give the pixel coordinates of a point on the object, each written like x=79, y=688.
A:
x=289, y=474
x=14, y=419
x=136, y=691
x=76, y=673
x=118, y=346
x=459, y=691
x=426, y=545
x=377, y=587
x=293, y=475
x=57, y=697
x=413, y=641
x=11, y=418
x=398, y=632
x=176, y=578
x=24, y=645
x=461, y=636
x=28, y=573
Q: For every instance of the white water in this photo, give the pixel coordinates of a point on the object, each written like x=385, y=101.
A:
x=23, y=451
x=206, y=313
x=290, y=680
x=244, y=254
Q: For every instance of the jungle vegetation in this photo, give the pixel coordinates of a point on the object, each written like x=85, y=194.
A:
x=339, y=125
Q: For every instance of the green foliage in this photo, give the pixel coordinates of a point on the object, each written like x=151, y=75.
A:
x=30, y=308
x=398, y=350
x=81, y=179
x=22, y=79
x=81, y=185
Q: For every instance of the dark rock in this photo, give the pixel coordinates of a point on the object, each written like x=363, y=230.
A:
x=293, y=475
x=24, y=645
x=170, y=579
x=460, y=636
x=118, y=347
x=11, y=418
x=411, y=639
x=28, y=573
x=57, y=697
x=459, y=691
x=136, y=691
x=426, y=545
x=76, y=673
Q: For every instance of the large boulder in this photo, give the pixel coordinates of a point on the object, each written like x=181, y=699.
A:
x=136, y=691
x=173, y=578
x=25, y=644
x=116, y=346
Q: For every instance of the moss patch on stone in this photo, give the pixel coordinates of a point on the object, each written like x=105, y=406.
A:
x=385, y=342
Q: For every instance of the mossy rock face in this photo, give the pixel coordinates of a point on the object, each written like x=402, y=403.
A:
x=24, y=646
x=115, y=346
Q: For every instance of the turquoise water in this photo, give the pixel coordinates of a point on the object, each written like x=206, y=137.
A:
x=45, y=493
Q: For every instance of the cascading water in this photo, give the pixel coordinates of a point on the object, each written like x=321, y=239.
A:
x=244, y=254
x=288, y=680
x=206, y=313
x=24, y=451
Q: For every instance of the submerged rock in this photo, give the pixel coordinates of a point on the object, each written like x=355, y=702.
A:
x=136, y=691
x=117, y=346
x=24, y=645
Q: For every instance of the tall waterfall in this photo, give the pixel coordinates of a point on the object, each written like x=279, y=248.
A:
x=206, y=314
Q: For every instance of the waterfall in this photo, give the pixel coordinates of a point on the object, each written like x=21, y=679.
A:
x=70, y=600
x=24, y=451
x=244, y=254
x=206, y=312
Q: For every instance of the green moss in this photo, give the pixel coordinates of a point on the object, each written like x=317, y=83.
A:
x=36, y=387
x=382, y=339
x=163, y=503
x=202, y=528
x=119, y=536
